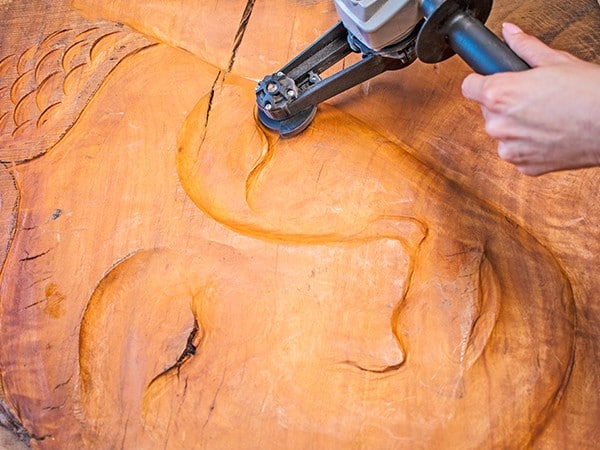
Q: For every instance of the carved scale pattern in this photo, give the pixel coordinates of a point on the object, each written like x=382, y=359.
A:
x=44, y=90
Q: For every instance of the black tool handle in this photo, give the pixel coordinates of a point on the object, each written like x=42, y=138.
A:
x=481, y=49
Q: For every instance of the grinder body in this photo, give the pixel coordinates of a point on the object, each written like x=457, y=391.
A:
x=390, y=34
x=451, y=26
x=379, y=23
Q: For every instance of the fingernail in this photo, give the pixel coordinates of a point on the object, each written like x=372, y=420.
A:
x=511, y=28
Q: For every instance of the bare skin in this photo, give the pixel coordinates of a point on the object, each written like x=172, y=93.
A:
x=545, y=119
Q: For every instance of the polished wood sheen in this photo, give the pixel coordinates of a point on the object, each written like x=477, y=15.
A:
x=176, y=276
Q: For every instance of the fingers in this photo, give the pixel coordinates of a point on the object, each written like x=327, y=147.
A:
x=493, y=92
x=472, y=87
x=508, y=153
x=522, y=159
x=533, y=51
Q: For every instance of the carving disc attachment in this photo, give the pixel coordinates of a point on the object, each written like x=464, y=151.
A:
x=291, y=126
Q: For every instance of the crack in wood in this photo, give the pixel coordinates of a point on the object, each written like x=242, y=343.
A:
x=239, y=36
x=210, y=101
x=189, y=351
x=53, y=408
x=214, y=402
x=190, y=348
x=31, y=258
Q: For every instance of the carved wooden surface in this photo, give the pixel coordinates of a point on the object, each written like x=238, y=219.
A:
x=175, y=276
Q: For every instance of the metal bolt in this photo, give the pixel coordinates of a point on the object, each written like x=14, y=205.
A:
x=271, y=87
x=268, y=106
x=291, y=93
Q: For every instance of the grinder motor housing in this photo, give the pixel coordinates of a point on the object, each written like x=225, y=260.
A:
x=379, y=23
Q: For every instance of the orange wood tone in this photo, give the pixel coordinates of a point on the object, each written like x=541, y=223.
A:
x=175, y=276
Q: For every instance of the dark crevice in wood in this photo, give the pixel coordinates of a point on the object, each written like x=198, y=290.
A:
x=190, y=348
x=240, y=32
x=210, y=100
x=213, y=404
x=209, y=108
x=189, y=351
x=31, y=258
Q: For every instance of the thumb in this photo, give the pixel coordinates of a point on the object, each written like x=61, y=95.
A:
x=472, y=87
x=533, y=51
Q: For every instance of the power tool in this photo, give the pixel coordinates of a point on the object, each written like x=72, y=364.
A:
x=390, y=35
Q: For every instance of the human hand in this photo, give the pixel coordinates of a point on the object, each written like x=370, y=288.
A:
x=546, y=118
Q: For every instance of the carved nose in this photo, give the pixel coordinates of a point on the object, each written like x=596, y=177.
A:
x=375, y=354
x=369, y=344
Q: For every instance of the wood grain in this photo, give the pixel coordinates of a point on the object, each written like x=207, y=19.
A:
x=176, y=276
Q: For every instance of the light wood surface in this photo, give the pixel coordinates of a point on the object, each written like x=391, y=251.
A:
x=174, y=276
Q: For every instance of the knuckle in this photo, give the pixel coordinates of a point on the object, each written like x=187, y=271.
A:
x=494, y=127
x=504, y=152
x=508, y=153
x=493, y=95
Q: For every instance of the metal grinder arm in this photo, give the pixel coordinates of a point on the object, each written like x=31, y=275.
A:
x=390, y=34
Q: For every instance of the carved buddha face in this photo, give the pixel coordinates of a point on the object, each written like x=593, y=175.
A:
x=328, y=290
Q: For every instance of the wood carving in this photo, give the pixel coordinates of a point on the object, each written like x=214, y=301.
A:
x=176, y=276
